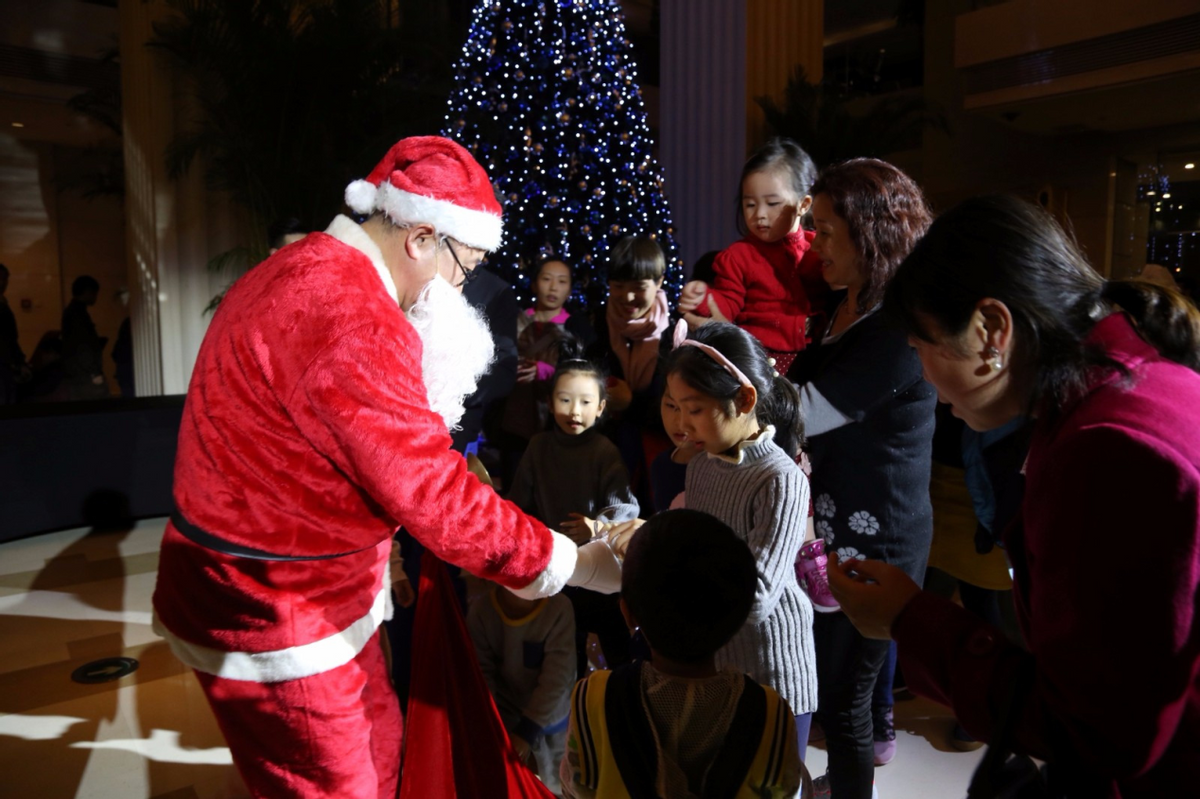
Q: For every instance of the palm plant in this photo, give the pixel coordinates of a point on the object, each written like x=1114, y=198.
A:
x=823, y=119
x=99, y=171
x=292, y=99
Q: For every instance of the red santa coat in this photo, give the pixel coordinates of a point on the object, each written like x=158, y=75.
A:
x=769, y=289
x=307, y=431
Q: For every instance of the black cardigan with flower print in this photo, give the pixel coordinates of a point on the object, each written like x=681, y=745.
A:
x=870, y=476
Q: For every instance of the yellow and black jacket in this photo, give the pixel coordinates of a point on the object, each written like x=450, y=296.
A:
x=611, y=749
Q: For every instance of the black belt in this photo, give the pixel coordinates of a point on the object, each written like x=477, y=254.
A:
x=209, y=541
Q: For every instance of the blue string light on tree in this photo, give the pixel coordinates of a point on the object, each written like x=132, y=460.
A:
x=546, y=98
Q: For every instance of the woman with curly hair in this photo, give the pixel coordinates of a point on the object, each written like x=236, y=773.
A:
x=868, y=415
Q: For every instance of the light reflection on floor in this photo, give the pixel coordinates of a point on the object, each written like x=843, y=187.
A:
x=69, y=598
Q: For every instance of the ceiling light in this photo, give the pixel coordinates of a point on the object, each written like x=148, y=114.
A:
x=1189, y=166
x=1151, y=193
x=18, y=124
x=1167, y=196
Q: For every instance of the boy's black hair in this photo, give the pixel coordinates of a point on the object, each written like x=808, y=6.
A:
x=688, y=582
x=84, y=284
x=636, y=258
x=283, y=227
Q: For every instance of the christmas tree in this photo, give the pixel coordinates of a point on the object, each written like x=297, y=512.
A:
x=546, y=98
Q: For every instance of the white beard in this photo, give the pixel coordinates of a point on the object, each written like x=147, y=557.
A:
x=457, y=347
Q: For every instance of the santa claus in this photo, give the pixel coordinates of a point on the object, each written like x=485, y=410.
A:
x=316, y=424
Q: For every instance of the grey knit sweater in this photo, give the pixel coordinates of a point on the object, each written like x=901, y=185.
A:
x=764, y=498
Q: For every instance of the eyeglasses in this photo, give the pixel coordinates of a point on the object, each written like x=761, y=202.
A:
x=467, y=276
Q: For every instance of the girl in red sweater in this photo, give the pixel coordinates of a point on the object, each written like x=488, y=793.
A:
x=769, y=283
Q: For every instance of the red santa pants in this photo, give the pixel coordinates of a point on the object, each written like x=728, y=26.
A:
x=335, y=734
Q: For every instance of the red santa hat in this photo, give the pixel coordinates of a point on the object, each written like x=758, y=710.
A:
x=433, y=180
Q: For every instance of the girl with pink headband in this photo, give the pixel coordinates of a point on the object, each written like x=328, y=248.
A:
x=746, y=419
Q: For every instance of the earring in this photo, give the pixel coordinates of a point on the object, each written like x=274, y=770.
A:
x=993, y=358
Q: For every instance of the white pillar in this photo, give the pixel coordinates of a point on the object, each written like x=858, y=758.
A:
x=173, y=227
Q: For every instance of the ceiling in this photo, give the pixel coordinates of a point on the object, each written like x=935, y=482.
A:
x=51, y=51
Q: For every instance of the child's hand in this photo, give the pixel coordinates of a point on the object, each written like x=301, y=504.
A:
x=581, y=529
x=524, y=752
x=694, y=292
x=619, y=394
x=714, y=311
x=526, y=371
x=695, y=321
x=621, y=533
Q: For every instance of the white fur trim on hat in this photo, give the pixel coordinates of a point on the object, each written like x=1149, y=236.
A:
x=360, y=196
x=478, y=229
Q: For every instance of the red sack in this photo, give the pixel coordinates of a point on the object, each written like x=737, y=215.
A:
x=455, y=744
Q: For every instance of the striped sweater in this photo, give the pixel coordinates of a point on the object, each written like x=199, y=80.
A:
x=764, y=498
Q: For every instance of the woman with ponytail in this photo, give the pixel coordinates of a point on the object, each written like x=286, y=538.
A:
x=1008, y=319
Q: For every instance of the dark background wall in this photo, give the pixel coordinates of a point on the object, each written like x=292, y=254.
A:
x=96, y=464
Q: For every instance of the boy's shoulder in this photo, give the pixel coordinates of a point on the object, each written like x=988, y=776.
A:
x=559, y=606
x=483, y=605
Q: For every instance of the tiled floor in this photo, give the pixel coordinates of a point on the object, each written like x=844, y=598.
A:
x=68, y=598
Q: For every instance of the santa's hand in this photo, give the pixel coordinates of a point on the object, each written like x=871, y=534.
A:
x=619, y=394
x=621, y=533
x=403, y=590
x=694, y=292
x=524, y=752
x=597, y=568
x=872, y=593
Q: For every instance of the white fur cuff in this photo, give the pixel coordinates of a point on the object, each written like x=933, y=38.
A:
x=291, y=663
x=560, y=568
x=597, y=568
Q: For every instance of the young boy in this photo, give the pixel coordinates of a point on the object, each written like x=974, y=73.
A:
x=676, y=726
x=526, y=649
